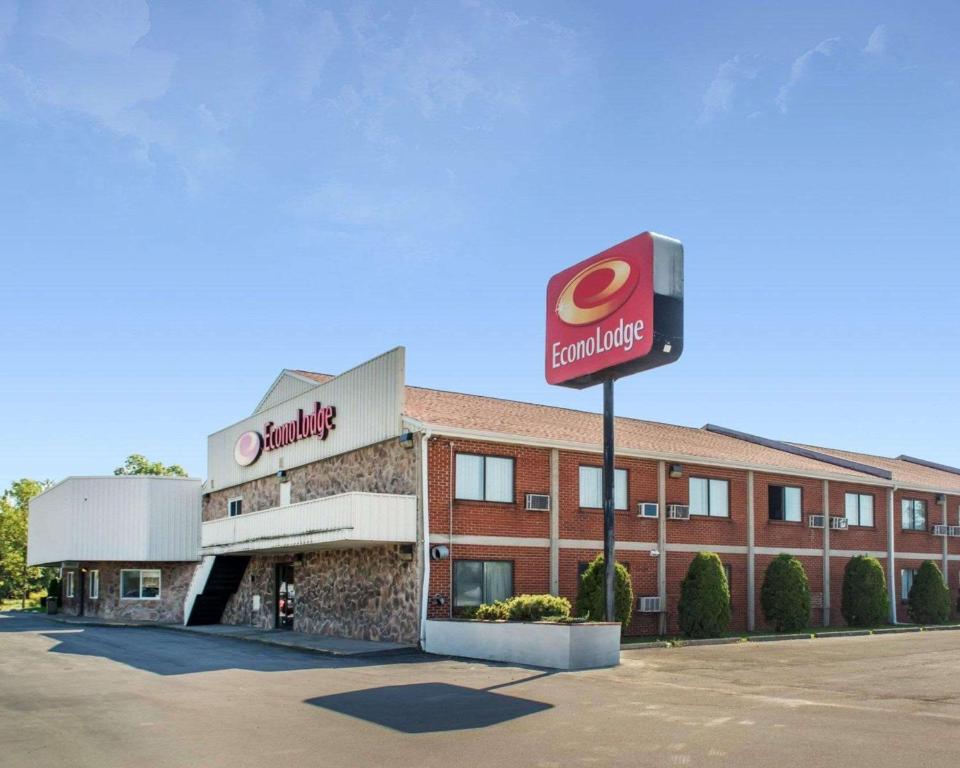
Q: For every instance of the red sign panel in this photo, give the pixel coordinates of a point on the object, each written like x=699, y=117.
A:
x=600, y=314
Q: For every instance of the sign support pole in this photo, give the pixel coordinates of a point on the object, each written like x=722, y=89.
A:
x=608, y=501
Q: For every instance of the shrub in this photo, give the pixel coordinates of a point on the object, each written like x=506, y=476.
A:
x=785, y=595
x=704, y=598
x=491, y=612
x=929, y=599
x=591, y=599
x=537, y=607
x=864, y=598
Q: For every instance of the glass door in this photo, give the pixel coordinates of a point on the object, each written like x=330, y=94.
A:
x=286, y=597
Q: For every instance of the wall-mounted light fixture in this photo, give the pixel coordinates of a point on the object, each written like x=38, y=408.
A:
x=282, y=476
x=676, y=470
x=406, y=551
x=941, y=498
x=406, y=439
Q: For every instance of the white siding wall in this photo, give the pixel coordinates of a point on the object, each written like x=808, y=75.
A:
x=286, y=386
x=369, y=403
x=116, y=518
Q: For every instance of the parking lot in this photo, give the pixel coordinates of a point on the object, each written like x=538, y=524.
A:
x=104, y=696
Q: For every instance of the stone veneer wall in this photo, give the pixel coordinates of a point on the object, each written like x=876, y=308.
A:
x=368, y=593
x=175, y=581
x=386, y=467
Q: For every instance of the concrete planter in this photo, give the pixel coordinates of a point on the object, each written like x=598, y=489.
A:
x=537, y=643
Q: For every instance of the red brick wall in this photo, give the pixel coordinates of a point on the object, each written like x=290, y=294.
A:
x=779, y=533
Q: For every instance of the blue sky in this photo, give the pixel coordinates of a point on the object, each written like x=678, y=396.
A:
x=195, y=196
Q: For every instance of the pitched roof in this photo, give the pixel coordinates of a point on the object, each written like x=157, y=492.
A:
x=906, y=474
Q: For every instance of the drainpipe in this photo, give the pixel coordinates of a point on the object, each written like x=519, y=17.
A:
x=751, y=559
x=826, y=553
x=425, y=549
x=554, y=521
x=946, y=558
x=891, y=558
x=662, y=546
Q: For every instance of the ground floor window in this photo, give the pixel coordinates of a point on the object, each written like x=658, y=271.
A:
x=93, y=578
x=140, y=584
x=477, y=582
x=907, y=576
x=70, y=584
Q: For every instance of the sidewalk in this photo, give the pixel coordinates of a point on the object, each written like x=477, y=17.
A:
x=325, y=644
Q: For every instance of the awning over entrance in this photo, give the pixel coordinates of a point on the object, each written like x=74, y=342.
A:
x=332, y=522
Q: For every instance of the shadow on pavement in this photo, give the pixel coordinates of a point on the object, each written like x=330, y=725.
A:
x=168, y=652
x=429, y=707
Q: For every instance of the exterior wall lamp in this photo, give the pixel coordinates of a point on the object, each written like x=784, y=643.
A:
x=406, y=439
x=282, y=476
x=941, y=498
x=676, y=470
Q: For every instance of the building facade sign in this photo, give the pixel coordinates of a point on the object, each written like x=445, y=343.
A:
x=317, y=422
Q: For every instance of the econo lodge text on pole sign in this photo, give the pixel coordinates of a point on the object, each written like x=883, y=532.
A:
x=616, y=313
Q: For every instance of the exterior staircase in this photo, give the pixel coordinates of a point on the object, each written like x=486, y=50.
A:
x=223, y=580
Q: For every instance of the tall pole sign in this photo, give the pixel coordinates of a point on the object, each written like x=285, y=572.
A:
x=614, y=314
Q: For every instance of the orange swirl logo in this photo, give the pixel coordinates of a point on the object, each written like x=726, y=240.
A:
x=596, y=291
x=247, y=449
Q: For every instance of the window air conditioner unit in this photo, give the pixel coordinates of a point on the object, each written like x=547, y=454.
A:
x=649, y=605
x=538, y=502
x=648, y=509
x=954, y=530
x=940, y=530
x=678, y=512
x=839, y=523
x=815, y=521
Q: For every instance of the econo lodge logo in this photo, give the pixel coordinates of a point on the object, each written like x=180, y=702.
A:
x=248, y=448
x=600, y=312
x=318, y=423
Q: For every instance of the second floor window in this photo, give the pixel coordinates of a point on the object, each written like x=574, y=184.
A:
x=234, y=507
x=913, y=514
x=484, y=478
x=785, y=503
x=858, y=508
x=709, y=497
x=591, y=488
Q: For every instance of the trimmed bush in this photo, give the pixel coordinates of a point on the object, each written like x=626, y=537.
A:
x=704, y=598
x=591, y=602
x=785, y=595
x=929, y=599
x=525, y=608
x=491, y=612
x=864, y=598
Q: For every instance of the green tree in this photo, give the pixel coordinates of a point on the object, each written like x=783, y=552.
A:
x=591, y=599
x=864, y=598
x=704, y=598
x=785, y=595
x=929, y=599
x=16, y=578
x=138, y=464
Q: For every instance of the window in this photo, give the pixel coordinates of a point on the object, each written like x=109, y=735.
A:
x=484, y=478
x=785, y=503
x=476, y=582
x=907, y=575
x=913, y=514
x=709, y=497
x=858, y=508
x=234, y=507
x=140, y=585
x=70, y=588
x=93, y=578
x=591, y=488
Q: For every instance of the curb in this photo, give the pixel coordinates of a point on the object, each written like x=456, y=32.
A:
x=844, y=633
x=896, y=630
x=776, y=638
x=645, y=646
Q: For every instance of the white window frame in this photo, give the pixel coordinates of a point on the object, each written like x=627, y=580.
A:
x=621, y=488
x=913, y=514
x=231, y=502
x=70, y=585
x=93, y=584
x=710, y=485
x=483, y=458
x=140, y=572
x=783, y=494
x=860, y=497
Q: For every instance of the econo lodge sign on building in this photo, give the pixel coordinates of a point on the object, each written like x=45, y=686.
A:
x=616, y=313
x=315, y=423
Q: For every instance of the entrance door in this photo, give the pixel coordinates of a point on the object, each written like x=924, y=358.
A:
x=286, y=597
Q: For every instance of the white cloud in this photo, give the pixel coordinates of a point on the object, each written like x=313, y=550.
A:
x=877, y=42
x=802, y=66
x=719, y=96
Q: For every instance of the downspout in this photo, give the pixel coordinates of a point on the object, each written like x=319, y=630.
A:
x=826, y=553
x=554, y=521
x=662, y=545
x=751, y=558
x=946, y=558
x=425, y=549
x=452, y=493
x=891, y=558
